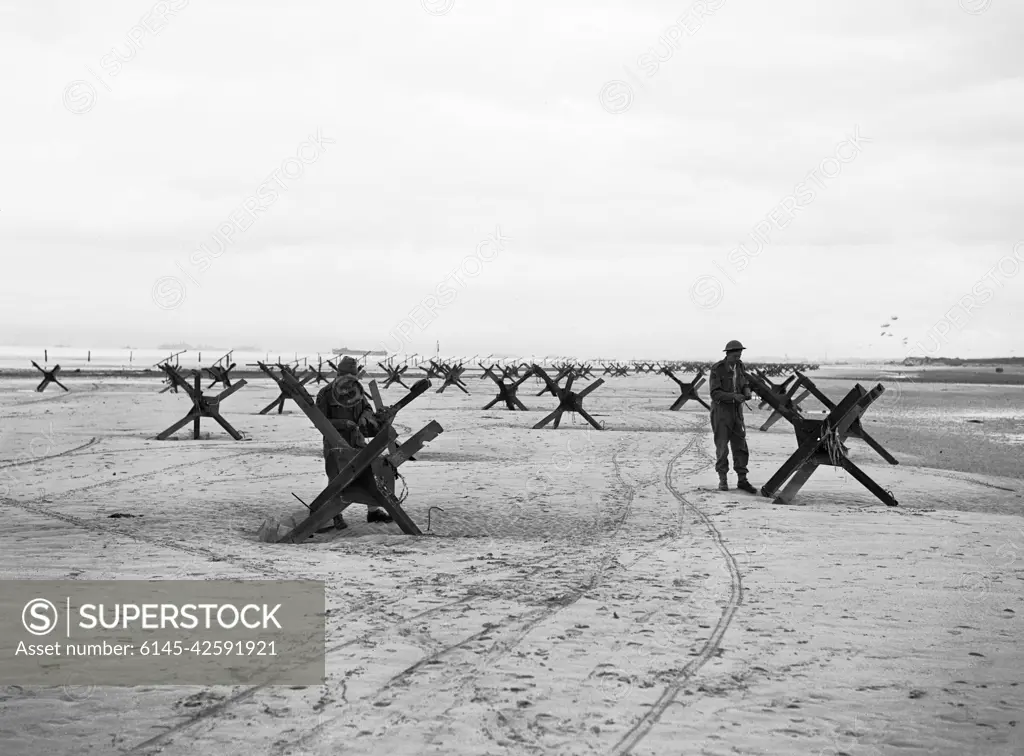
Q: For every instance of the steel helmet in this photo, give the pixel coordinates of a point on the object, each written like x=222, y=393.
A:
x=734, y=346
x=348, y=366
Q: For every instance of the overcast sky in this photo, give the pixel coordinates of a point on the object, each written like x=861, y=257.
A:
x=620, y=153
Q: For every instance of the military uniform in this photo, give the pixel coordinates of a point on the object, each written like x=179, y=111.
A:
x=726, y=382
x=357, y=418
x=345, y=404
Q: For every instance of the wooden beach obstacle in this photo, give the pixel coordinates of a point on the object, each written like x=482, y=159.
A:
x=551, y=384
x=506, y=390
x=298, y=387
x=452, y=374
x=687, y=391
x=367, y=477
x=283, y=395
x=856, y=429
x=318, y=373
x=171, y=385
x=49, y=376
x=381, y=410
x=615, y=369
x=202, y=406
x=822, y=442
x=432, y=370
x=568, y=400
x=393, y=374
x=220, y=372
x=785, y=393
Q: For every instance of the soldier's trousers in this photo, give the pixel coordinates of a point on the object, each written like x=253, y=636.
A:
x=730, y=430
x=333, y=464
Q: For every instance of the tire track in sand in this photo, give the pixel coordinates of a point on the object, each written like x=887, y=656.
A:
x=639, y=731
x=512, y=631
x=528, y=622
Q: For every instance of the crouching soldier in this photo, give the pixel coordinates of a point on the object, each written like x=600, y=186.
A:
x=729, y=389
x=345, y=404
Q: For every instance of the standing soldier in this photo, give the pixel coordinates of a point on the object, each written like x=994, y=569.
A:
x=345, y=404
x=729, y=389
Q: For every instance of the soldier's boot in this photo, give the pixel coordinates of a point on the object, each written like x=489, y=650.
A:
x=337, y=524
x=378, y=515
x=744, y=485
x=723, y=483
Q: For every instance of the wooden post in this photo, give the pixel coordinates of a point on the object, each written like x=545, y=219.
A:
x=195, y=400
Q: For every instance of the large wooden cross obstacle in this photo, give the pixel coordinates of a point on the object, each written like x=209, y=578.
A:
x=687, y=391
x=785, y=393
x=279, y=402
x=551, y=384
x=220, y=374
x=394, y=374
x=49, y=376
x=202, y=406
x=568, y=400
x=384, y=412
x=822, y=442
x=318, y=373
x=506, y=391
x=298, y=387
x=171, y=384
x=220, y=371
x=366, y=476
x=433, y=371
x=452, y=377
x=856, y=429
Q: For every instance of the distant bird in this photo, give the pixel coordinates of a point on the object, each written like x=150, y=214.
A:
x=893, y=318
x=885, y=325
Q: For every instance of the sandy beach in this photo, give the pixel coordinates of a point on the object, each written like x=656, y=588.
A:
x=581, y=592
